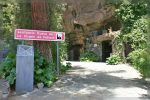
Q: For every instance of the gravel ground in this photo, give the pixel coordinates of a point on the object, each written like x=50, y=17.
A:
x=94, y=81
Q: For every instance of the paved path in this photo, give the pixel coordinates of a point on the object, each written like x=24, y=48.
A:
x=94, y=81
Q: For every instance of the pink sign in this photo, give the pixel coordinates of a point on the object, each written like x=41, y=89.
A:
x=25, y=34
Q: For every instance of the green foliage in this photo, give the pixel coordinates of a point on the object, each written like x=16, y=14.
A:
x=133, y=17
x=129, y=14
x=140, y=60
x=7, y=13
x=134, y=24
x=66, y=67
x=135, y=56
x=113, y=60
x=55, y=17
x=138, y=36
x=44, y=71
x=3, y=44
x=8, y=21
x=146, y=56
x=63, y=51
x=88, y=56
x=18, y=14
x=8, y=68
x=118, y=44
x=23, y=15
x=1, y=16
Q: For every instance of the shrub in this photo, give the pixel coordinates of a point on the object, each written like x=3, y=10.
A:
x=114, y=59
x=134, y=19
x=140, y=60
x=8, y=68
x=134, y=57
x=66, y=67
x=44, y=72
x=89, y=56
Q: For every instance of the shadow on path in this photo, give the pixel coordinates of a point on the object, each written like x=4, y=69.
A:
x=81, y=83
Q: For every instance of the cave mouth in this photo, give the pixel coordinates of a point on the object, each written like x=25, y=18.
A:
x=106, y=50
x=76, y=53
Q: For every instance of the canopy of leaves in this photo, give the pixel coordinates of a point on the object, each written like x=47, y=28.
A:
x=134, y=23
x=134, y=19
x=129, y=14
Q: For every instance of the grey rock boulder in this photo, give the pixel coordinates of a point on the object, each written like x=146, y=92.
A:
x=4, y=89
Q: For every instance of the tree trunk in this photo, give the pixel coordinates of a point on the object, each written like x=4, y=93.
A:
x=40, y=22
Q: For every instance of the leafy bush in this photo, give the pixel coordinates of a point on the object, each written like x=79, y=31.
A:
x=140, y=60
x=133, y=17
x=66, y=67
x=44, y=72
x=8, y=68
x=63, y=51
x=134, y=57
x=130, y=13
x=89, y=56
x=114, y=59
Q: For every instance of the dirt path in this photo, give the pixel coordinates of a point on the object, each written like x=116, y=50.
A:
x=94, y=81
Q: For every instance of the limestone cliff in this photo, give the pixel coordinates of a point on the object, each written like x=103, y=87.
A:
x=89, y=14
x=82, y=17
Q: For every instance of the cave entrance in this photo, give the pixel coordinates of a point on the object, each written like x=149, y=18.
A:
x=76, y=53
x=106, y=50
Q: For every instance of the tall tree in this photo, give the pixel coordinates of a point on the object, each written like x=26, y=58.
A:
x=40, y=21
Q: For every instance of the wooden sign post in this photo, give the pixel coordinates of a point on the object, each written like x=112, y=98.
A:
x=24, y=34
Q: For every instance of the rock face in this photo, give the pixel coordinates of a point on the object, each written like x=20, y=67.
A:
x=88, y=14
x=104, y=37
x=82, y=17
